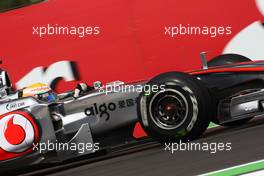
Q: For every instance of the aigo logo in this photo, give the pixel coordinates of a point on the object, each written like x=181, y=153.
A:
x=18, y=132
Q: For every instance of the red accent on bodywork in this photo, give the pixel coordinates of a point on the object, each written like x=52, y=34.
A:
x=138, y=131
x=221, y=70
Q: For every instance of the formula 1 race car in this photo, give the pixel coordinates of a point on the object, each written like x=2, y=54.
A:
x=172, y=106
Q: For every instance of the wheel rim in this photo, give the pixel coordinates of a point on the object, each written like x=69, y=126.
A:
x=168, y=109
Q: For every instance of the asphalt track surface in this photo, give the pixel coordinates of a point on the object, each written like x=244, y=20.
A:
x=150, y=159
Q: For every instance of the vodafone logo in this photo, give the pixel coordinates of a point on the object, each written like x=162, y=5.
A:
x=18, y=132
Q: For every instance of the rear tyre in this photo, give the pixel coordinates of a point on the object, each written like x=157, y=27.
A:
x=226, y=59
x=178, y=110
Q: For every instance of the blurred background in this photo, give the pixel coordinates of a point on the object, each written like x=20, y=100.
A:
x=131, y=44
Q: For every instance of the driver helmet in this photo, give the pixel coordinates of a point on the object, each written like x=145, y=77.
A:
x=40, y=91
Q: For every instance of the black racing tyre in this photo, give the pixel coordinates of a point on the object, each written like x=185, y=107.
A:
x=179, y=109
x=226, y=59
x=237, y=122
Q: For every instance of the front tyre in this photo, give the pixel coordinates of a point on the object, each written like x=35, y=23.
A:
x=178, y=110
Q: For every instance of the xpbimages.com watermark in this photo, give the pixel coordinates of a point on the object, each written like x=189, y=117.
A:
x=184, y=30
x=58, y=30
x=212, y=147
x=125, y=88
x=58, y=146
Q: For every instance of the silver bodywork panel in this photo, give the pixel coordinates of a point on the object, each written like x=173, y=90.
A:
x=80, y=118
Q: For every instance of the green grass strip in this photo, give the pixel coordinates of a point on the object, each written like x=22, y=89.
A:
x=237, y=170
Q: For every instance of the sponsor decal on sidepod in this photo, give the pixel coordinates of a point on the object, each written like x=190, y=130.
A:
x=18, y=132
